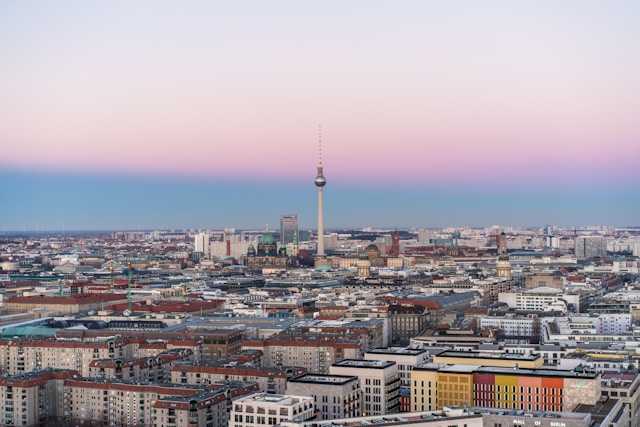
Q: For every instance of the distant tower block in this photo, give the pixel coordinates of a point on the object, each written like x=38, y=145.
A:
x=320, y=182
x=501, y=243
x=503, y=267
x=394, y=251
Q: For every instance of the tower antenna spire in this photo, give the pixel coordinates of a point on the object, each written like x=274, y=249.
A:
x=320, y=145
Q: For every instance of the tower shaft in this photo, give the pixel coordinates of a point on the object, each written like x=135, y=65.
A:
x=320, y=251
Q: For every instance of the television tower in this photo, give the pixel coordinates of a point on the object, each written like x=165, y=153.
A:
x=320, y=182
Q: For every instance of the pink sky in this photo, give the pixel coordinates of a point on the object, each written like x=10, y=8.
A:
x=426, y=93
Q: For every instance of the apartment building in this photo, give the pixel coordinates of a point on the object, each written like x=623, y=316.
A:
x=423, y=389
x=315, y=353
x=406, y=359
x=543, y=299
x=512, y=327
x=262, y=409
x=624, y=386
x=437, y=386
x=149, y=369
x=407, y=321
x=218, y=343
x=131, y=404
x=379, y=381
x=150, y=347
x=207, y=410
x=32, y=398
x=269, y=380
x=26, y=355
x=368, y=332
x=475, y=358
x=335, y=396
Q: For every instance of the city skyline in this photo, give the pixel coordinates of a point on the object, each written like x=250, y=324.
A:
x=282, y=213
x=147, y=198
x=433, y=114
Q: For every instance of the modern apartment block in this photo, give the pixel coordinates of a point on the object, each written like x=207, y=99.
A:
x=435, y=387
x=335, y=396
x=380, y=383
x=474, y=358
x=262, y=409
x=406, y=359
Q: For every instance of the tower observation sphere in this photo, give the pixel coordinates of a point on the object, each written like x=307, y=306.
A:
x=320, y=180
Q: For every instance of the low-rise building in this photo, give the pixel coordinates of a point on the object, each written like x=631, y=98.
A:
x=262, y=409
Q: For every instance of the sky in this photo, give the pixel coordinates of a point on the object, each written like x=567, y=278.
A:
x=153, y=114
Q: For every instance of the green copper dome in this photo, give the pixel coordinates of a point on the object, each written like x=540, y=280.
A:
x=267, y=239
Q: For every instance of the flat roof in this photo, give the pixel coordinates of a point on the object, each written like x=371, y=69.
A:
x=398, y=419
x=482, y=355
x=600, y=410
x=280, y=399
x=538, y=372
x=506, y=371
x=458, y=368
x=324, y=379
x=401, y=351
x=371, y=364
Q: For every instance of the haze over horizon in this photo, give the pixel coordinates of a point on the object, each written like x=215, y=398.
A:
x=200, y=114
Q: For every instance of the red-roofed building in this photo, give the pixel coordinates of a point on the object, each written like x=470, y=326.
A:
x=53, y=305
x=195, y=306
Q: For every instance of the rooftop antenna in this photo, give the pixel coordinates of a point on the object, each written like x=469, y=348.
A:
x=319, y=145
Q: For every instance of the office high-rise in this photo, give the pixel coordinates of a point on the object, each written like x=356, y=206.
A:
x=590, y=247
x=289, y=229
